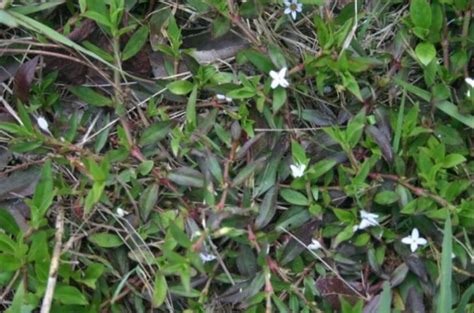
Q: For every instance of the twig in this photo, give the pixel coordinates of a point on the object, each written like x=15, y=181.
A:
x=53, y=269
x=416, y=190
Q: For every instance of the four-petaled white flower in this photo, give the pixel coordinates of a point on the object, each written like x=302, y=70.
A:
x=278, y=78
x=293, y=8
x=469, y=81
x=414, y=240
x=223, y=98
x=297, y=170
x=315, y=245
x=207, y=257
x=43, y=124
x=367, y=220
x=121, y=212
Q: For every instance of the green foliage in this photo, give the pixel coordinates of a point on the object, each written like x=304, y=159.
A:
x=188, y=183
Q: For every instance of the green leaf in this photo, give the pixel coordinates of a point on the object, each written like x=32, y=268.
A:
x=148, y=200
x=279, y=99
x=294, y=197
x=105, y=240
x=245, y=173
x=261, y=61
x=445, y=279
x=174, y=34
x=355, y=129
x=136, y=42
x=180, y=236
x=220, y=26
x=191, y=109
x=155, y=133
x=98, y=18
x=267, y=209
x=467, y=295
x=320, y=168
x=8, y=223
x=452, y=110
x=188, y=177
x=160, y=289
x=385, y=299
x=453, y=160
x=420, y=13
x=33, y=8
x=351, y=84
x=69, y=295
x=43, y=196
x=425, y=52
x=180, y=87
x=386, y=197
x=89, y=96
x=297, y=153
x=7, y=20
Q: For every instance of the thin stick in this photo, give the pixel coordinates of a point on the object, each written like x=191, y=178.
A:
x=53, y=269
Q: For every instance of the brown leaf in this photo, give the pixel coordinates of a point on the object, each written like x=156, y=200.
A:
x=382, y=141
x=24, y=77
x=331, y=288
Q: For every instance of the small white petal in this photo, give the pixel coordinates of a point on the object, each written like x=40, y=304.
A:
x=468, y=93
x=287, y=11
x=284, y=83
x=415, y=234
x=287, y=3
x=293, y=14
x=421, y=241
x=42, y=123
x=364, y=224
x=275, y=83
x=274, y=75
x=413, y=246
x=121, y=212
x=470, y=82
x=299, y=7
x=206, y=257
x=282, y=72
x=297, y=170
x=315, y=245
x=220, y=97
x=407, y=240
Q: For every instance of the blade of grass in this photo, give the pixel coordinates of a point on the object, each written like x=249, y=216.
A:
x=444, y=300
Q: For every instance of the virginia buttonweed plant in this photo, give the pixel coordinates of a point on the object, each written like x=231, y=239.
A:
x=236, y=156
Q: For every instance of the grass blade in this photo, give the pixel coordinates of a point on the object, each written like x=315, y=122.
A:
x=444, y=300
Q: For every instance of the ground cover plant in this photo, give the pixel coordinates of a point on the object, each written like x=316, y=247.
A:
x=236, y=156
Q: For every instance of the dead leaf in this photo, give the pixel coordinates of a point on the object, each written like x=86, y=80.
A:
x=24, y=77
x=331, y=288
x=19, y=183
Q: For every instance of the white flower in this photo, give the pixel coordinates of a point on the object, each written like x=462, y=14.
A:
x=278, y=78
x=292, y=8
x=470, y=82
x=368, y=219
x=121, y=212
x=223, y=98
x=43, y=124
x=207, y=257
x=315, y=245
x=414, y=240
x=297, y=170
